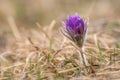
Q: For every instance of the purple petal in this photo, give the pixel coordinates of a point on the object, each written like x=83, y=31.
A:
x=81, y=22
x=75, y=23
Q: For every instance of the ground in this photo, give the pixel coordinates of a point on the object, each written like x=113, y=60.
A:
x=44, y=54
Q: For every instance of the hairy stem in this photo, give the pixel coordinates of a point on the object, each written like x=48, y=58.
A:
x=83, y=58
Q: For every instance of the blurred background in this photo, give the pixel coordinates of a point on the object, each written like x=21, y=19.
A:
x=27, y=12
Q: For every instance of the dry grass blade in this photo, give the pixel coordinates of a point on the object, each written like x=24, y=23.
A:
x=14, y=28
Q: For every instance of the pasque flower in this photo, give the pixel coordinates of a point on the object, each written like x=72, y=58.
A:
x=75, y=29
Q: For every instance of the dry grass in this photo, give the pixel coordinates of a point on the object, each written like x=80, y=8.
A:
x=43, y=54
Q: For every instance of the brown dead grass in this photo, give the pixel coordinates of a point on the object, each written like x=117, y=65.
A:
x=43, y=54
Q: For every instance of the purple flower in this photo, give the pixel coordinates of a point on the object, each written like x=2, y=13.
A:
x=75, y=29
